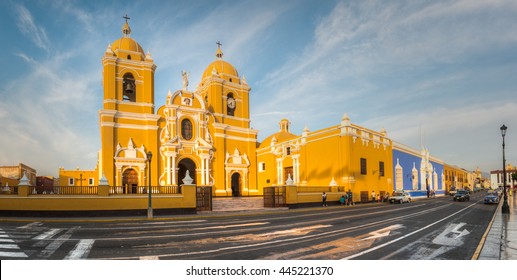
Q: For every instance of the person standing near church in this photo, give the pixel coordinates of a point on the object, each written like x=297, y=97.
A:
x=324, y=199
x=373, y=196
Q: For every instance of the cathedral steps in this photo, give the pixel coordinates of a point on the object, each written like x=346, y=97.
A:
x=220, y=204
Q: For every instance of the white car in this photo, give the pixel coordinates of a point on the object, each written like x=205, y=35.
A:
x=399, y=197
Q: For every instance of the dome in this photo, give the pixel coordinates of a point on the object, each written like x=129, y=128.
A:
x=221, y=68
x=281, y=136
x=126, y=47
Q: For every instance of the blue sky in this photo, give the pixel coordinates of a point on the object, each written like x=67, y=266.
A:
x=441, y=71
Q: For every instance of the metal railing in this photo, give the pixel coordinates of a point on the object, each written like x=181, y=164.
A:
x=9, y=190
x=63, y=190
x=144, y=189
x=90, y=190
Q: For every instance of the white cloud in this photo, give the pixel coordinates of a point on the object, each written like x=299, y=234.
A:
x=28, y=27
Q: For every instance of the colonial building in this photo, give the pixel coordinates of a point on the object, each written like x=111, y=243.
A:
x=496, y=177
x=13, y=174
x=455, y=177
x=346, y=155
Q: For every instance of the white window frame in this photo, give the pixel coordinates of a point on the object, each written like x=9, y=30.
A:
x=71, y=181
x=262, y=167
x=91, y=181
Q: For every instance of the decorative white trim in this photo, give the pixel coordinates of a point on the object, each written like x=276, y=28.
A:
x=129, y=126
x=136, y=104
x=220, y=135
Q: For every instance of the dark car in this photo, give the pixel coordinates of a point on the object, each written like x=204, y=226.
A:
x=492, y=197
x=462, y=195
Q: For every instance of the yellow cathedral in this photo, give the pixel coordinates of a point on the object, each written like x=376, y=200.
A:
x=206, y=133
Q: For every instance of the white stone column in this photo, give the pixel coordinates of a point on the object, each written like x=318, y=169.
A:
x=207, y=169
x=202, y=171
x=168, y=169
x=296, y=169
x=279, y=173
x=173, y=170
x=118, y=177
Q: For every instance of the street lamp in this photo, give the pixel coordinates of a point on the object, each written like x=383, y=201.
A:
x=149, y=189
x=506, y=207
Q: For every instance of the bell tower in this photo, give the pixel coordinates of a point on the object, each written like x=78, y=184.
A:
x=128, y=124
x=226, y=97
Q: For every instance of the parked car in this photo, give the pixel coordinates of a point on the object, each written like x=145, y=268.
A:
x=399, y=197
x=491, y=197
x=462, y=195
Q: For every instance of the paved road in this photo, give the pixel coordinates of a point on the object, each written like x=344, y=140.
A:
x=427, y=229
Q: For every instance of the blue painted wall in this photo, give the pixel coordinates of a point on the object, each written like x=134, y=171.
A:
x=406, y=160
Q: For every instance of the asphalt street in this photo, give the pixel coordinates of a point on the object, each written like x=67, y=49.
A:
x=436, y=228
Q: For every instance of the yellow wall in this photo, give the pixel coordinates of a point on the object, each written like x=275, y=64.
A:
x=97, y=203
x=81, y=177
x=328, y=156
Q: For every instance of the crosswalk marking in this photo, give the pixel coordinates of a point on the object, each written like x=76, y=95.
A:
x=48, y=234
x=9, y=246
x=54, y=245
x=13, y=254
x=7, y=243
x=81, y=250
x=6, y=240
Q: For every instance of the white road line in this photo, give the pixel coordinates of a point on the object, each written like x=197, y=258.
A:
x=6, y=240
x=149, y=258
x=9, y=246
x=49, y=234
x=81, y=250
x=13, y=254
x=405, y=236
x=236, y=225
x=31, y=225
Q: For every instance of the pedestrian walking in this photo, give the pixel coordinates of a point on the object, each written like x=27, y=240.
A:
x=373, y=196
x=324, y=199
x=342, y=200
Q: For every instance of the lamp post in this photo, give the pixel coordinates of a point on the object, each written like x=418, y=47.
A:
x=506, y=208
x=149, y=189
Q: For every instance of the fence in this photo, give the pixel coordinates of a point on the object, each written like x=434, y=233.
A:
x=274, y=197
x=90, y=190
x=204, y=198
x=9, y=190
x=122, y=190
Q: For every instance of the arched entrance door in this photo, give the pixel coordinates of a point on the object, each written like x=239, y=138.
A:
x=184, y=165
x=130, y=181
x=236, y=184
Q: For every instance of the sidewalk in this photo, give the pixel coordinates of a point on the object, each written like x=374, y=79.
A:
x=501, y=238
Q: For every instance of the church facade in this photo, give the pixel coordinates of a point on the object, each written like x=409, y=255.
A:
x=205, y=132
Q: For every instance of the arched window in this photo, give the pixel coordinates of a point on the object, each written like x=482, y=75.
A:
x=128, y=88
x=128, y=57
x=230, y=104
x=186, y=129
